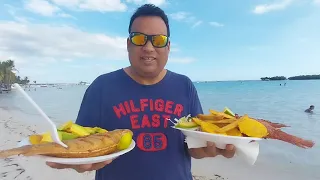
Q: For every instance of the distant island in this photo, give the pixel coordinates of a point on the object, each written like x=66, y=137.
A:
x=300, y=77
x=275, y=78
x=305, y=77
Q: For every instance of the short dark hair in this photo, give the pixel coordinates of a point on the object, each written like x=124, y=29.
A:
x=150, y=10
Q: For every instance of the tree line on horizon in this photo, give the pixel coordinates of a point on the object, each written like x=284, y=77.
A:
x=300, y=77
x=7, y=76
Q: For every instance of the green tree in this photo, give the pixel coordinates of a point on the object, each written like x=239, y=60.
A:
x=6, y=74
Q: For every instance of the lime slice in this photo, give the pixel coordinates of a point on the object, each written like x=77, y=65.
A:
x=67, y=136
x=125, y=141
x=228, y=111
x=185, y=124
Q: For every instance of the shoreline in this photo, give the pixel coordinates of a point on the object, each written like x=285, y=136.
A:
x=12, y=131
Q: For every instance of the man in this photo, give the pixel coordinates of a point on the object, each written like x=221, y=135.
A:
x=310, y=109
x=141, y=97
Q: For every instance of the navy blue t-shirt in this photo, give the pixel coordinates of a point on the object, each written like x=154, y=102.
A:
x=114, y=100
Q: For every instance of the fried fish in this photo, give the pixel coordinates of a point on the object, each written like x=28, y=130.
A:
x=83, y=147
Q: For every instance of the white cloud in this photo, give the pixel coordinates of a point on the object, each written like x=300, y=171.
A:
x=92, y=5
x=181, y=16
x=45, y=8
x=265, y=8
x=317, y=2
x=60, y=43
x=198, y=23
x=216, y=24
x=53, y=7
x=46, y=57
x=38, y=56
x=42, y=7
x=67, y=3
x=66, y=15
x=155, y=2
x=186, y=17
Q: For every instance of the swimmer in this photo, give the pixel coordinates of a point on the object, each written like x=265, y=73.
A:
x=310, y=109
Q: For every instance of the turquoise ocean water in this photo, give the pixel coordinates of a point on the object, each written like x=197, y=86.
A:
x=260, y=99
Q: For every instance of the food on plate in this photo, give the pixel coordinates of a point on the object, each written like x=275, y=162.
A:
x=66, y=131
x=276, y=133
x=77, y=130
x=228, y=111
x=230, y=124
x=207, y=126
x=81, y=141
x=186, y=122
x=67, y=135
x=252, y=128
x=81, y=147
x=65, y=126
x=35, y=138
x=234, y=132
x=125, y=141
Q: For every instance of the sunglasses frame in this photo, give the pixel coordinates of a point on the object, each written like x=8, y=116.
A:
x=149, y=38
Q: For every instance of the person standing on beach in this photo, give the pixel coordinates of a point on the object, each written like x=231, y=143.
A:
x=142, y=97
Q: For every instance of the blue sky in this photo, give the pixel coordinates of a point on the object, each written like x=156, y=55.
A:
x=74, y=40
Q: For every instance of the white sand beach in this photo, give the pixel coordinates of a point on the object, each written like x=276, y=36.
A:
x=12, y=130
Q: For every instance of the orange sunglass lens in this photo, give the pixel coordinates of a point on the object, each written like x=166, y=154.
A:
x=139, y=39
x=159, y=40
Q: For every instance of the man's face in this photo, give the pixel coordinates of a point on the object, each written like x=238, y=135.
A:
x=148, y=60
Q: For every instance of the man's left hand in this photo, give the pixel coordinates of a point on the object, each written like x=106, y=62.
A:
x=212, y=151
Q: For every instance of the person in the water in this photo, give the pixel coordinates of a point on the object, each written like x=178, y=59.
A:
x=310, y=109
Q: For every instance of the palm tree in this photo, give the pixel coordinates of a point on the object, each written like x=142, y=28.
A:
x=6, y=74
x=26, y=80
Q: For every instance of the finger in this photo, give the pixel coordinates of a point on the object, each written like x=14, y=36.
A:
x=57, y=165
x=210, y=150
x=91, y=167
x=230, y=147
x=210, y=144
x=82, y=168
x=197, y=153
x=100, y=165
x=51, y=164
x=229, y=151
x=108, y=162
x=78, y=168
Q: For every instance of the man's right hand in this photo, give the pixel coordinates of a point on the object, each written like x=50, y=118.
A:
x=80, y=168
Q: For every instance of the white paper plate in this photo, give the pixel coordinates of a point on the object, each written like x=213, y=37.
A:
x=80, y=160
x=245, y=148
x=220, y=140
